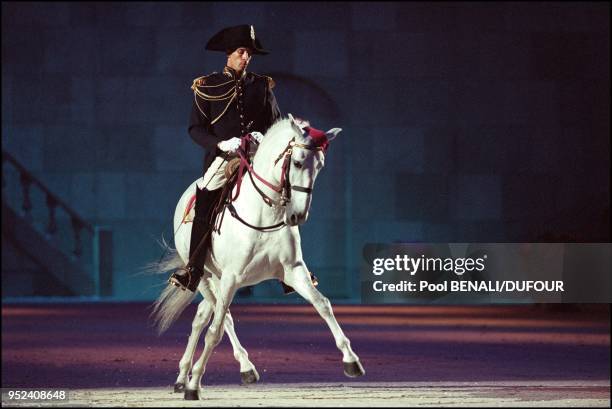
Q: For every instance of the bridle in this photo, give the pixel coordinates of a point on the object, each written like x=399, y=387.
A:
x=285, y=184
x=284, y=187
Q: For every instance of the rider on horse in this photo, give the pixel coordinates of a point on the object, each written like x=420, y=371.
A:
x=226, y=106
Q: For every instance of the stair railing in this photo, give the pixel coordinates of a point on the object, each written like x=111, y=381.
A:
x=102, y=236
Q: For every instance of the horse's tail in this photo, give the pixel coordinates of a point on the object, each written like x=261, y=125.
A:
x=169, y=306
x=172, y=301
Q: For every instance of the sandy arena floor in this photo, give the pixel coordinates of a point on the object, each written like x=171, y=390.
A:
x=108, y=355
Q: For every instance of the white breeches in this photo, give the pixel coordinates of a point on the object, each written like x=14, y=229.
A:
x=214, y=178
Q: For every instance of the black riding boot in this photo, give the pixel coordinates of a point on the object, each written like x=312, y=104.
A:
x=200, y=240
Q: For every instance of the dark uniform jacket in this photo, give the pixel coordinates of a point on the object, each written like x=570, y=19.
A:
x=227, y=105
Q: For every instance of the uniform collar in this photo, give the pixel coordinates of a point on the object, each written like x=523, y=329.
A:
x=233, y=74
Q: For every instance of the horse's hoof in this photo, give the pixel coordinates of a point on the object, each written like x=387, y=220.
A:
x=353, y=369
x=191, y=394
x=249, y=376
x=179, y=387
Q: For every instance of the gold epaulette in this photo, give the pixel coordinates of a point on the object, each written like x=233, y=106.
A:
x=200, y=81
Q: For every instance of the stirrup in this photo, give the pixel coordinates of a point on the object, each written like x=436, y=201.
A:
x=189, y=280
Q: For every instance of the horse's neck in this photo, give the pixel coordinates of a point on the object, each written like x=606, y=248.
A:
x=250, y=203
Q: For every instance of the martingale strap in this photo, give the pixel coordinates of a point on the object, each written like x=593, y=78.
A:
x=267, y=199
x=234, y=213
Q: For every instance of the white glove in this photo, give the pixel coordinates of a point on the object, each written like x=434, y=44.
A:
x=230, y=145
x=258, y=136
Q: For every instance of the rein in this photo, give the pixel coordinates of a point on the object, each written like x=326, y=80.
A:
x=284, y=187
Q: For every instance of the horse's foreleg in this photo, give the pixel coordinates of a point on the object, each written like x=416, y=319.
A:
x=299, y=278
x=213, y=336
x=199, y=322
x=248, y=373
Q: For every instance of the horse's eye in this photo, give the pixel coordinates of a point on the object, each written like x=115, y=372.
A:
x=297, y=164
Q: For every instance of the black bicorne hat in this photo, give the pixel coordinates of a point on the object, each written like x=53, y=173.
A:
x=231, y=38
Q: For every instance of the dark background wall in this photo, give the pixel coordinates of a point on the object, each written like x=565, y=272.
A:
x=475, y=122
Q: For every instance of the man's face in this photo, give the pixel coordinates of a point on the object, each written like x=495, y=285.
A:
x=239, y=59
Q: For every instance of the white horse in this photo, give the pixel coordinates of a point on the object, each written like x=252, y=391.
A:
x=258, y=240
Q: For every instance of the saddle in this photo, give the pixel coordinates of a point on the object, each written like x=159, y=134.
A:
x=220, y=199
x=232, y=168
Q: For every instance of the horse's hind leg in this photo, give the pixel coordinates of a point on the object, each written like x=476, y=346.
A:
x=199, y=322
x=248, y=373
x=298, y=277
x=225, y=294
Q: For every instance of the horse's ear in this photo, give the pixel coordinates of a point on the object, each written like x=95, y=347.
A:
x=294, y=124
x=332, y=133
x=299, y=122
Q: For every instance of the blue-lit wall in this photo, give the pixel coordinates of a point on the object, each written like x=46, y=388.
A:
x=462, y=121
